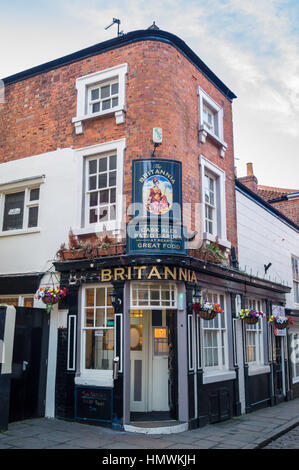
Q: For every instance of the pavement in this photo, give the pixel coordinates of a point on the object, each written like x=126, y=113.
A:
x=251, y=431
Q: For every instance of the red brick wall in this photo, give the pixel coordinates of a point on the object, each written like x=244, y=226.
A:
x=161, y=92
x=290, y=208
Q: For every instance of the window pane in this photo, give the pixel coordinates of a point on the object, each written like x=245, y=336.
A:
x=112, y=178
x=103, y=180
x=95, y=94
x=33, y=216
x=89, y=297
x=104, y=196
x=100, y=317
x=96, y=107
x=92, y=182
x=114, y=88
x=89, y=317
x=105, y=91
x=106, y=104
x=100, y=297
x=112, y=195
x=93, y=217
x=102, y=164
x=13, y=211
x=112, y=212
x=34, y=194
x=112, y=162
x=114, y=102
x=93, y=199
x=103, y=215
x=92, y=165
x=99, y=349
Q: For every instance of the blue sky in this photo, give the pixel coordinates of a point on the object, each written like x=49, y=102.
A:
x=252, y=45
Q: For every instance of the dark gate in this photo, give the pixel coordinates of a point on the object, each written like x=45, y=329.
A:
x=171, y=319
x=29, y=364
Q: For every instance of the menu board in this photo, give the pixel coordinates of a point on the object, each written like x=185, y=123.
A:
x=94, y=403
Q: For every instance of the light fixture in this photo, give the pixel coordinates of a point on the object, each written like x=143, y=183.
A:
x=196, y=296
x=116, y=301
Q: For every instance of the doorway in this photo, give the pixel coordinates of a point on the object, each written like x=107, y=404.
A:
x=29, y=364
x=278, y=369
x=152, y=359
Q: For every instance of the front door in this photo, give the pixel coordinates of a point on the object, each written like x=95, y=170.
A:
x=149, y=362
x=278, y=369
x=28, y=380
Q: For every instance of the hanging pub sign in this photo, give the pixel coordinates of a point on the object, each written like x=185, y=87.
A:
x=156, y=224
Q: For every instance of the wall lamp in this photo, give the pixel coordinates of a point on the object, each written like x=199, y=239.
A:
x=115, y=300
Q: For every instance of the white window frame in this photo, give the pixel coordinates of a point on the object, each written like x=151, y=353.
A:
x=209, y=168
x=116, y=147
x=21, y=298
x=215, y=133
x=258, y=329
x=24, y=185
x=86, y=82
x=207, y=325
x=100, y=377
x=295, y=259
x=294, y=354
x=158, y=286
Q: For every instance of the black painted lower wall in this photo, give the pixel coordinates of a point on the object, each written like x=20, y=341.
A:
x=258, y=391
x=64, y=388
x=5, y=380
x=216, y=402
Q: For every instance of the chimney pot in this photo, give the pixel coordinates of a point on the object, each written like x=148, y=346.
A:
x=249, y=169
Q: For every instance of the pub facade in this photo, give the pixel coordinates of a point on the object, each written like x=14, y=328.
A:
x=147, y=232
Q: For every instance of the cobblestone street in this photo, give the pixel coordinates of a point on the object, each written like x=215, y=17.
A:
x=290, y=440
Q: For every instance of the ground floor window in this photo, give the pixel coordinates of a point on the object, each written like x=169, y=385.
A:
x=17, y=300
x=295, y=356
x=214, y=341
x=97, y=329
x=153, y=295
x=254, y=335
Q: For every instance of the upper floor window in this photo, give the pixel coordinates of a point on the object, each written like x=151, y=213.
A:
x=19, y=206
x=101, y=188
x=213, y=202
x=101, y=93
x=295, y=270
x=211, y=121
x=210, y=204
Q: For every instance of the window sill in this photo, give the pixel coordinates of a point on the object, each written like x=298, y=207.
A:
x=204, y=132
x=212, y=238
x=10, y=233
x=101, y=379
x=98, y=228
x=119, y=113
x=218, y=376
x=257, y=370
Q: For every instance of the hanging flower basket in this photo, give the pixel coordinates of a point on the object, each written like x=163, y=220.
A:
x=207, y=310
x=250, y=317
x=50, y=296
x=281, y=322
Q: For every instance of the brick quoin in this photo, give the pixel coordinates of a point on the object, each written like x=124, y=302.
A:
x=161, y=91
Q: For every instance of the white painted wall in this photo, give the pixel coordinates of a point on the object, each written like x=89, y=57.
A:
x=60, y=209
x=263, y=238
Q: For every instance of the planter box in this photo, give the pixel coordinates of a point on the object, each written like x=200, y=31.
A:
x=73, y=255
x=251, y=321
x=207, y=315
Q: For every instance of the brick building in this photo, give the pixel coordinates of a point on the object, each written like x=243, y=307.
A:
x=152, y=227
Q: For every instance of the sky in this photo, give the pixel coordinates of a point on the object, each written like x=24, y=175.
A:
x=251, y=45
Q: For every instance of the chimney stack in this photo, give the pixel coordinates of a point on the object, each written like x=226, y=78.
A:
x=250, y=180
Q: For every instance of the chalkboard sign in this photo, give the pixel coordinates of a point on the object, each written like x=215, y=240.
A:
x=93, y=403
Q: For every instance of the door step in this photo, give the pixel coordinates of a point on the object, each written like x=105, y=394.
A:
x=156, y=427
